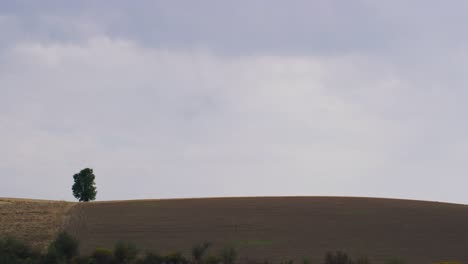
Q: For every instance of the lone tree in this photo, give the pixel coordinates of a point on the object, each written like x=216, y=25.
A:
x=84, y=188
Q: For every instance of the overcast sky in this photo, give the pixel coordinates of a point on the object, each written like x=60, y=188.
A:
x=235, y=98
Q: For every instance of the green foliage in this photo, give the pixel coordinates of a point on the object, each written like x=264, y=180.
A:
x=199, y=251
x=338, y=257
x=228, y=255
x=212, y=260
x=64, y=246
x=125, y=252
x=175, y=258
x=53, y=257
x=64, y=250
x=14, y=251
x=84, y=188
x=81, y=260
x=102, y=256
x=150, y=258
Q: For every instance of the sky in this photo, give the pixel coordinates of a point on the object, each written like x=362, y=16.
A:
x=209, y=98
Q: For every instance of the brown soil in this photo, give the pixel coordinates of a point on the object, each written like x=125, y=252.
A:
x=34, y=221
x=281, y=228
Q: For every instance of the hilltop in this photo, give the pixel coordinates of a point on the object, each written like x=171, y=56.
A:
x=262, y=228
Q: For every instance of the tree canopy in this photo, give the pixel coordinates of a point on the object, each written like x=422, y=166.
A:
x=84, y=188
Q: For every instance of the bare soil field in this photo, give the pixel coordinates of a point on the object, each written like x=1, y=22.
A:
x=35, y=221
x=280, y=228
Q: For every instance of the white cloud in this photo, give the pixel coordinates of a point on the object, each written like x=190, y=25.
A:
x=171, y=123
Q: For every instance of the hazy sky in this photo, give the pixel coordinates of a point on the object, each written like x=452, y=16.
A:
x=235, y=98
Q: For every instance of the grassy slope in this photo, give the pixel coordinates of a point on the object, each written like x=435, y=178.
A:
x=280, y=228
x=35, y=221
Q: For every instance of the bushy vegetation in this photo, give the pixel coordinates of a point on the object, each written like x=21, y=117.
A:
x=64, y=247
x=150, y=258
x=65, y=250
x=102, y=256
x=228, y=255
x=125, y=252
x=338, y=257
x=13, y=251
x=199, y=251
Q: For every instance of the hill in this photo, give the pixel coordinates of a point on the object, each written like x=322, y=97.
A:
x=35, y=221
x=280, y=228
x=277, y=228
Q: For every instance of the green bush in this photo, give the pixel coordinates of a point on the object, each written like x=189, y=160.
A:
x=212, y=260
x=125, y=252
x=53, y=257
x=228, y=255
x=102, y=256
x=17, y=252
x=338, y=257
x=175, y=258
x=64, y=246
x=199, y=251
x=150, y=258
x=64, y=250
x=81, y=260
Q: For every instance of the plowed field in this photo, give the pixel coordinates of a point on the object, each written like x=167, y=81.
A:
x=282, y=228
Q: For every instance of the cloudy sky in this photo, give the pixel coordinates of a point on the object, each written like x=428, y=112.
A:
x=235, y=98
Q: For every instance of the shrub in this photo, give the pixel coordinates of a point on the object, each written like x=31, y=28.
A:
x=228, y=255
x=151, y=258
x=102, y=256
x=174, y=258
x=64, y=246
x=199, y=251
x=53, y=257
x=212, y=260
x=125, y=252
x=338, y=257
x=16, y=251
x=10, y=260
x=81, y=260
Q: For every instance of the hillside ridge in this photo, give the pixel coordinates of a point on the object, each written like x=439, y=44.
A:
x=275, y=228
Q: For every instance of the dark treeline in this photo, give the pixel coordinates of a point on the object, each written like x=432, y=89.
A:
x=65, y=250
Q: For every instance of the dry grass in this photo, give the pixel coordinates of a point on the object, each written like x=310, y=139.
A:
x=282, y=228
x=35, y=221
